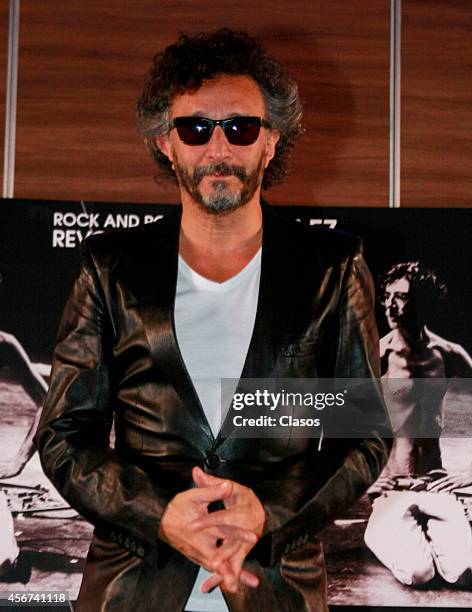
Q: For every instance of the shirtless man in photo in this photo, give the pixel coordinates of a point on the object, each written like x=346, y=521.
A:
x=417, y=528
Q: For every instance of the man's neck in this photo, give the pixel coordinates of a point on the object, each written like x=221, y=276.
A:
x=218, y=246
x=414, y=338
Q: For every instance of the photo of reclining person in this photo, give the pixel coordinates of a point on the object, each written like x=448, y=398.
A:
x=17, y=367
x=419, y=529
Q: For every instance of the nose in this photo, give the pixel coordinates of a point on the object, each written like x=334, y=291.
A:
x=391, y=307
x=218, y=147
x=389, y=303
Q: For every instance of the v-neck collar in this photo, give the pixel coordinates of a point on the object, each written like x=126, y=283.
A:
x=202, y=282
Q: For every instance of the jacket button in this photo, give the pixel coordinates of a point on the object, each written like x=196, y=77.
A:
x=212, y=461
x=140, y=551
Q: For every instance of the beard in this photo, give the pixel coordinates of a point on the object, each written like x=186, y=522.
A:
x=221, y=199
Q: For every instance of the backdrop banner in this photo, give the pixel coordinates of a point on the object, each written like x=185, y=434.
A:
x=407, y=543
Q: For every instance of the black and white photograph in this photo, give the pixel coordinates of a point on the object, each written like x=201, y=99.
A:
x=416, y=520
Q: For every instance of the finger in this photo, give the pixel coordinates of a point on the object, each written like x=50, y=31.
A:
x=236, y=561
x=225, y=579
x=210, y=583
x=230, y=570
x=231, y=532
x=224, y=552
x=238, y=533
x=224, y=532
x=230, y=577
x=236, y=565
x=449, y=487
x=212, y=493
x=444, y=487
x=246, y=577
x=202, y=479
x=437, y=484
x=249, y=579
x=221, y=518
x=211, y=535
x=203, y=551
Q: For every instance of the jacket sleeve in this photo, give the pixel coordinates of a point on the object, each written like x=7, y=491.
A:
x=73, y=436
x=349, y=465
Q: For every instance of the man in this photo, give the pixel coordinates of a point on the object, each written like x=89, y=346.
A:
x=417, y=528
x=160, y=315
x=410, y=355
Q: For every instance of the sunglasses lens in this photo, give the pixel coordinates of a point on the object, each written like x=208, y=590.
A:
x=242, y=131
x=196, y=131
x=193, y=130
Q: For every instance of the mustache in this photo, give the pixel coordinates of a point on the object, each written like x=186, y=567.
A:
x=222, y=169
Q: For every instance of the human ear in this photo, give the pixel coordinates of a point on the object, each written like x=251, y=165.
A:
x=273, y=137
x=163, y=143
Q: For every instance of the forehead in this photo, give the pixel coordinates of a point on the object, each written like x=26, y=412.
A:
x=221, y=97
x=401, y=285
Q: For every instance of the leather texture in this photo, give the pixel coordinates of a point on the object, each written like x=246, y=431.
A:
x=117, y=361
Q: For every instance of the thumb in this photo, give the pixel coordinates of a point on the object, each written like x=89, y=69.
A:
x=202, y=479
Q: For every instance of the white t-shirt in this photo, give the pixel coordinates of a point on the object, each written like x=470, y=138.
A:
x=214, y=324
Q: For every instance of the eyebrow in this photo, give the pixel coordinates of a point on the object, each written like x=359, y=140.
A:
x=230, y=116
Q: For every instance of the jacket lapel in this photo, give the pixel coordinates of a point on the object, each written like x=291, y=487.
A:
x=273, y=306
x=275, y=302
x=152, y=279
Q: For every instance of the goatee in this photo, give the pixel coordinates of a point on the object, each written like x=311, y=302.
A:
x=221, y=199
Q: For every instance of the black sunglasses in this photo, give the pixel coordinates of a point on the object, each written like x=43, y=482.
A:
x=241, y=131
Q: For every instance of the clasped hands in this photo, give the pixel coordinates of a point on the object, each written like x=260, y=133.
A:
x=219, y=541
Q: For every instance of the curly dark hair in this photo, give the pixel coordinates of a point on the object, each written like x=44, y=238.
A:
x=426, y=290
x=183, y=67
